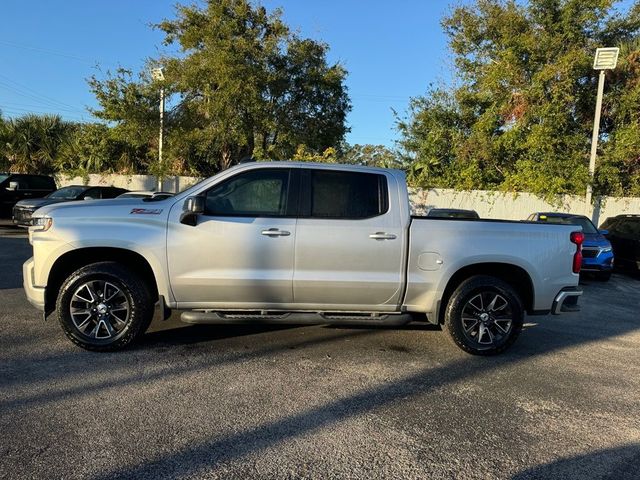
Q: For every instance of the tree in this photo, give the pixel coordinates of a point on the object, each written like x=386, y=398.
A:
x=304, y=154
x=618, y=170
x=521, y=114
x=242, y=86
x=4, y=140
x=92, y=148
x=370, y=156
x=31, y=143
x=130, y=105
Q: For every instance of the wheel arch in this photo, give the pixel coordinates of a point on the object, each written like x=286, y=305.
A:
x=514, y=275
x=71, y=261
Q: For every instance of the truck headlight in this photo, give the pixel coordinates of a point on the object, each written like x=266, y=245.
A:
x=605, y=249
x=41, y=224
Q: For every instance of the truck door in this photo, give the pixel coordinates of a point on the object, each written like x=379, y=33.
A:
x=350, y=242
x=240, y=253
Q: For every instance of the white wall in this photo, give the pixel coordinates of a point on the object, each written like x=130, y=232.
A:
x=130, y=182
x=487, y=203
x=517, y=206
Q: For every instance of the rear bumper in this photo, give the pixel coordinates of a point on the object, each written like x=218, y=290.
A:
x=35, y=295
x=566, y=301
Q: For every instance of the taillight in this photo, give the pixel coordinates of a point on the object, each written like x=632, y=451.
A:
x=577, y=238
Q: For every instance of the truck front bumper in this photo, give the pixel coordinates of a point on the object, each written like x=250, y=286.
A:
x=566, y=301
x=35, y=295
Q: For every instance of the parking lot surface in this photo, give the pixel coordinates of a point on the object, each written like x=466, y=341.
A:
x=321, y=402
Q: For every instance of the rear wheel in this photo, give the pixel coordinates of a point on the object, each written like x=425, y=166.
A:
x=484, y=315
x=104, y=306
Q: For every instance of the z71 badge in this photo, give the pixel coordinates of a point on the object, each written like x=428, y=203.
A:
x=145, y=211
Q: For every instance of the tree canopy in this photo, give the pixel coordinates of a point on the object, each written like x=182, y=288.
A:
x=32, y=143
x=520, y=111
x=241, y=85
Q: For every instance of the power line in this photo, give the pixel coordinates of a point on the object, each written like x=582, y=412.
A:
x=21, y=111
x=49, y=52
x=30, y=93
x=21, y=105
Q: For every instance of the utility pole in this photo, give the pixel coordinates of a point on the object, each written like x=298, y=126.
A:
x=159, y=187
x=594, y=144
x=158, y=75
x=605, y=59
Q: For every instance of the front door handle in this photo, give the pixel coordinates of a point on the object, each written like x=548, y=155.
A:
x=382, y=236
x=275, y=232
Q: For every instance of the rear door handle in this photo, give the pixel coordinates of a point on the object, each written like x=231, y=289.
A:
x=382, y=236
x=275, y=232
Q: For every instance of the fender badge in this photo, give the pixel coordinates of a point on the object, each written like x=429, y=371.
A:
x=145, y=211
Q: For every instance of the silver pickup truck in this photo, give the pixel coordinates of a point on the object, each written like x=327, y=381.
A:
x=295, y=243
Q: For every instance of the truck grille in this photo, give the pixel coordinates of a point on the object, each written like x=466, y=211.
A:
x=590, y=252
x=22, y=215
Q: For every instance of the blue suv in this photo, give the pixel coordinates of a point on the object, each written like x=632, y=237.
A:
x=597, y=255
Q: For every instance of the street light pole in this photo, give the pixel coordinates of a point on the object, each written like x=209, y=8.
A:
x=160, y=174
x=594, y=142
x=605, y=59
x=158, y=75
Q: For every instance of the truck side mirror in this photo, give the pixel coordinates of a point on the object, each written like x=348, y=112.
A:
x=13, y=186
x=193, y=206
x=603, y=231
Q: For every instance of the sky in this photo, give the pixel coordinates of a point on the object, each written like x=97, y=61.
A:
x=392, y=51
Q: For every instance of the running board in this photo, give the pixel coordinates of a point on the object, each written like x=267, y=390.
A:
x=294, y=318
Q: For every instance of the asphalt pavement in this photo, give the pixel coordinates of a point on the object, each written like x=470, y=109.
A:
x=241, y=402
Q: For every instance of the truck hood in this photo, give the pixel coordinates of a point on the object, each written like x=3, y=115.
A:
x=104, y=207
x=595, y=240
x=33, y=203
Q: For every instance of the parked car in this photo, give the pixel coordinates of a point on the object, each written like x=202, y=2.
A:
x=146, y=194
x=286, y=242
x=597, y=253
x=451, y=213
x=18, y=186
x=23, y=210
x=623, y=231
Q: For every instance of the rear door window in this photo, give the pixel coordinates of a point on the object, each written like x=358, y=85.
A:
x=346, y=195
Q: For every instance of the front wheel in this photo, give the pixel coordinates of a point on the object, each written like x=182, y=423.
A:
x=104, y=306
x=484, y=315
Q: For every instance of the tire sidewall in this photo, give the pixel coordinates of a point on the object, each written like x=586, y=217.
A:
x=465, y=292
x=126, y=282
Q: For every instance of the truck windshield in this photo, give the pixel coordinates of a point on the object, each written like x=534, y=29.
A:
x=584, y=222
x=3, y=178
x=67, y=193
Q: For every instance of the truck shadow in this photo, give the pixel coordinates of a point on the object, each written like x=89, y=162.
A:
x=619, y=463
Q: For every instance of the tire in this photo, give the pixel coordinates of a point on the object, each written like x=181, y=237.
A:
x=484, y=315
x=603, y=276
x=104, y=307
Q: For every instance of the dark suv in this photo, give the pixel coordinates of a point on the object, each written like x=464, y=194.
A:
x=624, y=235
x=23, y=210
x=17, y=186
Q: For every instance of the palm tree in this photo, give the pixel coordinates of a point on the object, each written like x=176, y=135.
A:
x=32, y=142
